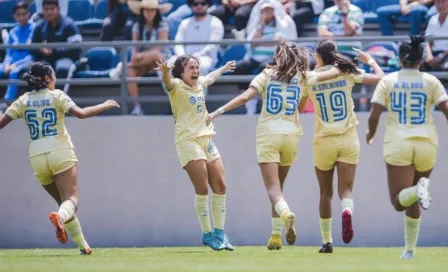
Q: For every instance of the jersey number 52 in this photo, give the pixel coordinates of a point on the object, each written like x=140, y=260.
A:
x=49, y=117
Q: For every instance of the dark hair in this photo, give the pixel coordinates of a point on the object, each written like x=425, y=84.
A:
x=20, y=5
x=142, y=22
x=209, y=2
x=50, y=2
x=411, y=53
x=35, y=77
x=330, y=55
x=180, y=64
x=289, y=61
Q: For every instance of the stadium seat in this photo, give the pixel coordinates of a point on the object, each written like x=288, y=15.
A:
x=84, y=17
x=232, y=52
x=101, y=11
x=362, y=4
x=32, y=7
x=100, y=61
x=380, y=3
x=6, y=16
x=385, y=53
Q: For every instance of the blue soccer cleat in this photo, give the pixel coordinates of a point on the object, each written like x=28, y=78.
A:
x=221, y=236
x=210, y=240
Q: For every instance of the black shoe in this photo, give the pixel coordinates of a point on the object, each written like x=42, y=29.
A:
x=326, y=248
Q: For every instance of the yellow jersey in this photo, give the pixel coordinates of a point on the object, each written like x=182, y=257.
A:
x=44, y=112
x=279, y=113
x=333, y=103
x=189, y=109
x=408, y=96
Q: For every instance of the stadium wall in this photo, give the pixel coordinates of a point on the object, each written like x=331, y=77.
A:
x=133, y=191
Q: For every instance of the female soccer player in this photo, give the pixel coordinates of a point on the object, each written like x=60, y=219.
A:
x=410, y=143
x=279, y=129
x=52, y=153
x=336, y=142
x=197, y=153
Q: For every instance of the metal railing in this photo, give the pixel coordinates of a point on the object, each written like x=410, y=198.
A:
x=123, y=45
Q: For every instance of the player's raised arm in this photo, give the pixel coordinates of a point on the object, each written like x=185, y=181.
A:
x=83, y=113
x=378, y=72
x=166, y=77
x=234, y=103
x=4, y=120
x=230, y=66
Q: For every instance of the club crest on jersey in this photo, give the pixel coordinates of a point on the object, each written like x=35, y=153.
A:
x=193, y=100
x=210, y=147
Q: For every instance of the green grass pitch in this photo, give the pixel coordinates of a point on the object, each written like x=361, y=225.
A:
x=203, y=259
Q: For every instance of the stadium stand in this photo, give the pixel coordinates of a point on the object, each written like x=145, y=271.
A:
x=103, y=57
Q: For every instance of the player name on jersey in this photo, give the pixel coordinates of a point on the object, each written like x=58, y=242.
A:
x=329, y=85
x=38, y=103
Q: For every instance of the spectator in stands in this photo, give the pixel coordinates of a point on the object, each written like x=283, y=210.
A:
x=238, y=9
x=269, y=28
x=17, y=61
x=119, y=17
x=56, y=28
x=150, y=27
x=303, y=12
x=437, y=51
x=415, y=10
x=200, y=27
x=343, y=19
x=38, y=16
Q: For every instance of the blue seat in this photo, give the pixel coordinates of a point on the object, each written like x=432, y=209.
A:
x=232, y=52
x=6, y=16
x=364, y=5
x=32, y=7
x=81, y=11
x=100, y=60
x=101, y=12
x=380, y=3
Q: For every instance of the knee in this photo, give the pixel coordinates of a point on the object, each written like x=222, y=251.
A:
x=419, y=10
x=220, y=187
x=326, y=193
x=201, y=189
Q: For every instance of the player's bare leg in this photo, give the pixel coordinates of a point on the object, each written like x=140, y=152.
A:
x=197, y=171
x=346, y=179
x=325, y=179
x=270, y=173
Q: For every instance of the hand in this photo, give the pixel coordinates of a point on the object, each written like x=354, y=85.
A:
x=345, y=6
x=229, y=67
x=263, y=19
x=163, y=66
x=211, y=117
x=235, y=3
x=109, y=104
x=369, y=138
x=406, y=9
x=363, y=56
x=46, y=51
x=137, y=57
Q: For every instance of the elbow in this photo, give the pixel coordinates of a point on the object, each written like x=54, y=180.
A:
x=244, y=98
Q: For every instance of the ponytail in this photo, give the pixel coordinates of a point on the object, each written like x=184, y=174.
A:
x=411, y=53
x=331, y=56
x=35, y=77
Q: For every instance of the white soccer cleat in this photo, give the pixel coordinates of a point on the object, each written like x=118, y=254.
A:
x=407, y=255
x=424, y=197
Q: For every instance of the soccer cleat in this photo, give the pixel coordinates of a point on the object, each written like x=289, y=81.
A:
x=347, y=227
x=61, y=234
x=221, y=236
x=275, y=242
x=407, y=255
x=326, y=248
x=424, y=197
x=86, y=251
x=210, y=240
x=289, y=219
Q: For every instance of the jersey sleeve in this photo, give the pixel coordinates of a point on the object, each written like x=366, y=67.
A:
x=359, y=78
x=65, y=103
x=311, y=78
x=15, y=110
x=260, y=81
x=439, y=93
x=203, y=81
x=379, y=95
x=176, y=84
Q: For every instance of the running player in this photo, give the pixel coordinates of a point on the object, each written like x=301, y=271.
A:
x=279, y=129
x=197, y=153
x=52, y=153
x=410, y=142
x=336, y=142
